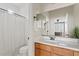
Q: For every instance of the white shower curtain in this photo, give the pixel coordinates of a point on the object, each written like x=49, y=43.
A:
x=12, y=32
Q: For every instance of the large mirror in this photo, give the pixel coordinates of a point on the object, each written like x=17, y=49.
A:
x=59, y=22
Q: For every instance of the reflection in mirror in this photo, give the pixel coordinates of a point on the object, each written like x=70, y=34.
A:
x=59, y=28
x=59, y=22
x=40, y=23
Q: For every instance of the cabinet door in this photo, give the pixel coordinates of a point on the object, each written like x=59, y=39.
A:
x=63, y=52
x=76, y=53
x=45, y=47
x=40, y=52
x=44, y=53
x=37, y=52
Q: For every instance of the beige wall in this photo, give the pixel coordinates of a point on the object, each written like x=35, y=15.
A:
x=76, y=14
x=45, y=7
x=36, y=8
x=53, y=6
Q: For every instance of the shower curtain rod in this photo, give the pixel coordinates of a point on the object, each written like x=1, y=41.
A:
x=13, y=13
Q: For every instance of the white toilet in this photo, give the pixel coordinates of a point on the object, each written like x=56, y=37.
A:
x=23, y=51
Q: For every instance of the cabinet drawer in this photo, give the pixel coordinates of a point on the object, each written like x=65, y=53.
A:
x=45, y=47
x=63, y=52
x=76, y=53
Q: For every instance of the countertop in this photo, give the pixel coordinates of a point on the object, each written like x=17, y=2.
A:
x=67, y=43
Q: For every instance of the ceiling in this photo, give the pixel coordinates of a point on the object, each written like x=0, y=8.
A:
x=19, y=5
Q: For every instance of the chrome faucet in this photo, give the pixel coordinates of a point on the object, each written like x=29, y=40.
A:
x=52, y=38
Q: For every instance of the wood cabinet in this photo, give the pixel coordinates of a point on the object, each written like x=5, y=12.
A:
x=45, y=47
x=76, y=53
x=63, y=52
x=44, y=53
x=42, y=50
x=47, y=50
x=37, y=52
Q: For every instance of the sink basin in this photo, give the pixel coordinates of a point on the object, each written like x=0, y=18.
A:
x=55, y=41
x=63, y=42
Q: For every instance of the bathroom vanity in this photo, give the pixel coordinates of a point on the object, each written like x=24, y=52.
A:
x=47, y=50
x=44, y=48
